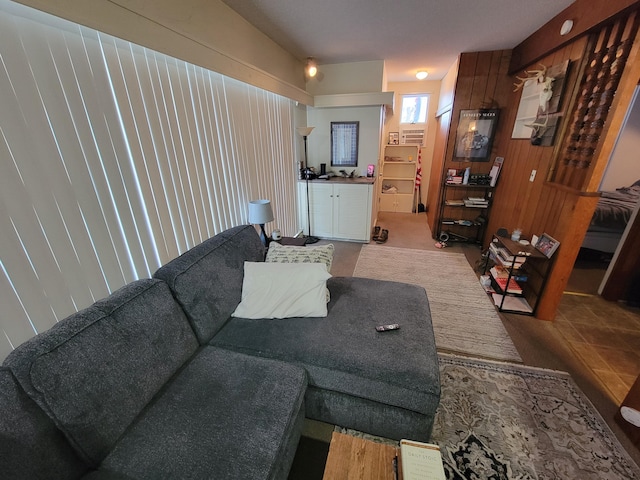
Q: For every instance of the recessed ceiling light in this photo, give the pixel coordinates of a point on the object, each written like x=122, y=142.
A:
x=421, y=75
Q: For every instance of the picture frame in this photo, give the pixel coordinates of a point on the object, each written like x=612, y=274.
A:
x=344, y=144
x=394, y=138
x=547, y=245
x=475, y=134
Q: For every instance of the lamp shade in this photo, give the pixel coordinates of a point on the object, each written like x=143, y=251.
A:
x=260, y=212
x=304, y=131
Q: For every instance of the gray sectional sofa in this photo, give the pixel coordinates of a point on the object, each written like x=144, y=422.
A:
x=159, y=381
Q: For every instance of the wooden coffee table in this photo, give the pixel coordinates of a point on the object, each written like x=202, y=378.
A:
x=352, y=458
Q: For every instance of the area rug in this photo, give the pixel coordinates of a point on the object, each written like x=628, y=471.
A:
x=503, y=421
x=464, y=318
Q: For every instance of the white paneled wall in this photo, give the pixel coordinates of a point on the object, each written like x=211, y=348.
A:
x=115, y=159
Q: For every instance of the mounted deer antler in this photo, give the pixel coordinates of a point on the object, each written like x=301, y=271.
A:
x=537, y=75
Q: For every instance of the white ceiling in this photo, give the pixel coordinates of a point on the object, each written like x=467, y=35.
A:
x=409, y=35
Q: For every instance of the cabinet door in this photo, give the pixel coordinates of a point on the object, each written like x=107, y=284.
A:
x=404, y=203
x=352, y=207
x=321, y=205
x=387, y=202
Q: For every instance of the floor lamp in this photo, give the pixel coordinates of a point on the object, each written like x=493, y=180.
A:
x=305, y=132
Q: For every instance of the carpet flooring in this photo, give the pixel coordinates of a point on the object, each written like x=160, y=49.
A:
x=464, y=318
x=506, y=421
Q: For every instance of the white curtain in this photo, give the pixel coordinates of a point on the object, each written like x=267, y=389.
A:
x=116, y=159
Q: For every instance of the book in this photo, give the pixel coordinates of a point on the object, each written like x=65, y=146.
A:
x=515, y=304
x=508, y=285
x=503, y=272
x=503, y=257
x=495, y=170
x=421, y=461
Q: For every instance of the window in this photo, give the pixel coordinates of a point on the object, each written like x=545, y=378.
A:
x=414, y=108
x=116, y=159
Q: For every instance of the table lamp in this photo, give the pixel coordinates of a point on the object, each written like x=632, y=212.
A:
x=260, y=212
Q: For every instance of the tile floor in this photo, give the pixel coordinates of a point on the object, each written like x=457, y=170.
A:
x=605, y=336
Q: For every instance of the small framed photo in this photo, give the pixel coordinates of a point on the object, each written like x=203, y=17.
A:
x=394, y=138
x=547, y=245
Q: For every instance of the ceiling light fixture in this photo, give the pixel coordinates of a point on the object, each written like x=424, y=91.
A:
x=567, y=26
x=421, y=75
x=312, y=67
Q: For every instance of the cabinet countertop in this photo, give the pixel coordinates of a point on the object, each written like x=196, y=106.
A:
x=345, y=180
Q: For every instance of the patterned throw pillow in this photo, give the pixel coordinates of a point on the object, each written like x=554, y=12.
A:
x=292, y=254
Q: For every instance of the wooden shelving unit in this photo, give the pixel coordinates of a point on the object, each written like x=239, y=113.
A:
x=398, y=178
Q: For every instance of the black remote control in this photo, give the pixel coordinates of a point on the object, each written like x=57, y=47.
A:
x=386, y=328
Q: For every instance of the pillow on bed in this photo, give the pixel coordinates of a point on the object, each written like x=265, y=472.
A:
x=282, y=290
x=293, y=254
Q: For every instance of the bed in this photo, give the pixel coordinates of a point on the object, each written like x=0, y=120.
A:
x=612, y=214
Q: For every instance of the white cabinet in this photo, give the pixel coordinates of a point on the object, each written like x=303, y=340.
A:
x=340, y=211
x=398, y=178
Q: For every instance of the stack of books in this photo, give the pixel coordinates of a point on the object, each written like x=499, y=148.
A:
x=506, y=284
x=503, y=256
x=454, y=180
x=476, y=202
x=454, y=203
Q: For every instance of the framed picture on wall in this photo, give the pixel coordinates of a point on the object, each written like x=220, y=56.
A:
x=474, y=135
x=344, y=144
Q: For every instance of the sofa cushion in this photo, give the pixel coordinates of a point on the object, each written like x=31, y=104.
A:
x=96, y=370
x=207, y=279
x=30, y=444
x=226, y=415
x=281, y=290
x=346, y=357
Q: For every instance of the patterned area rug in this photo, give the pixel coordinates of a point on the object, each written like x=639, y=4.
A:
x=504, y=421
x=464, y=318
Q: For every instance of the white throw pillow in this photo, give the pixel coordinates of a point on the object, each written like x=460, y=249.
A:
x=282, y=290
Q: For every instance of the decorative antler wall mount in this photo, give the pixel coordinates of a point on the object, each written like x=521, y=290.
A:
x=540, y=77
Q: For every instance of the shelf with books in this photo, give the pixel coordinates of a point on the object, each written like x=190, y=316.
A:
x=517, y=274
x=464, y=211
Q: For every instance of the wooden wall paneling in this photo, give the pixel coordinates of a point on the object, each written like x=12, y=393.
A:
x=621, y=102
x=576, y=211
x=580, y=157
x=586, y=15
x=482, y=83
x=437, y=167
x=627, y=266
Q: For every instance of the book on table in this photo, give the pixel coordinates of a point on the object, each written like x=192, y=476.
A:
x=421, y=461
